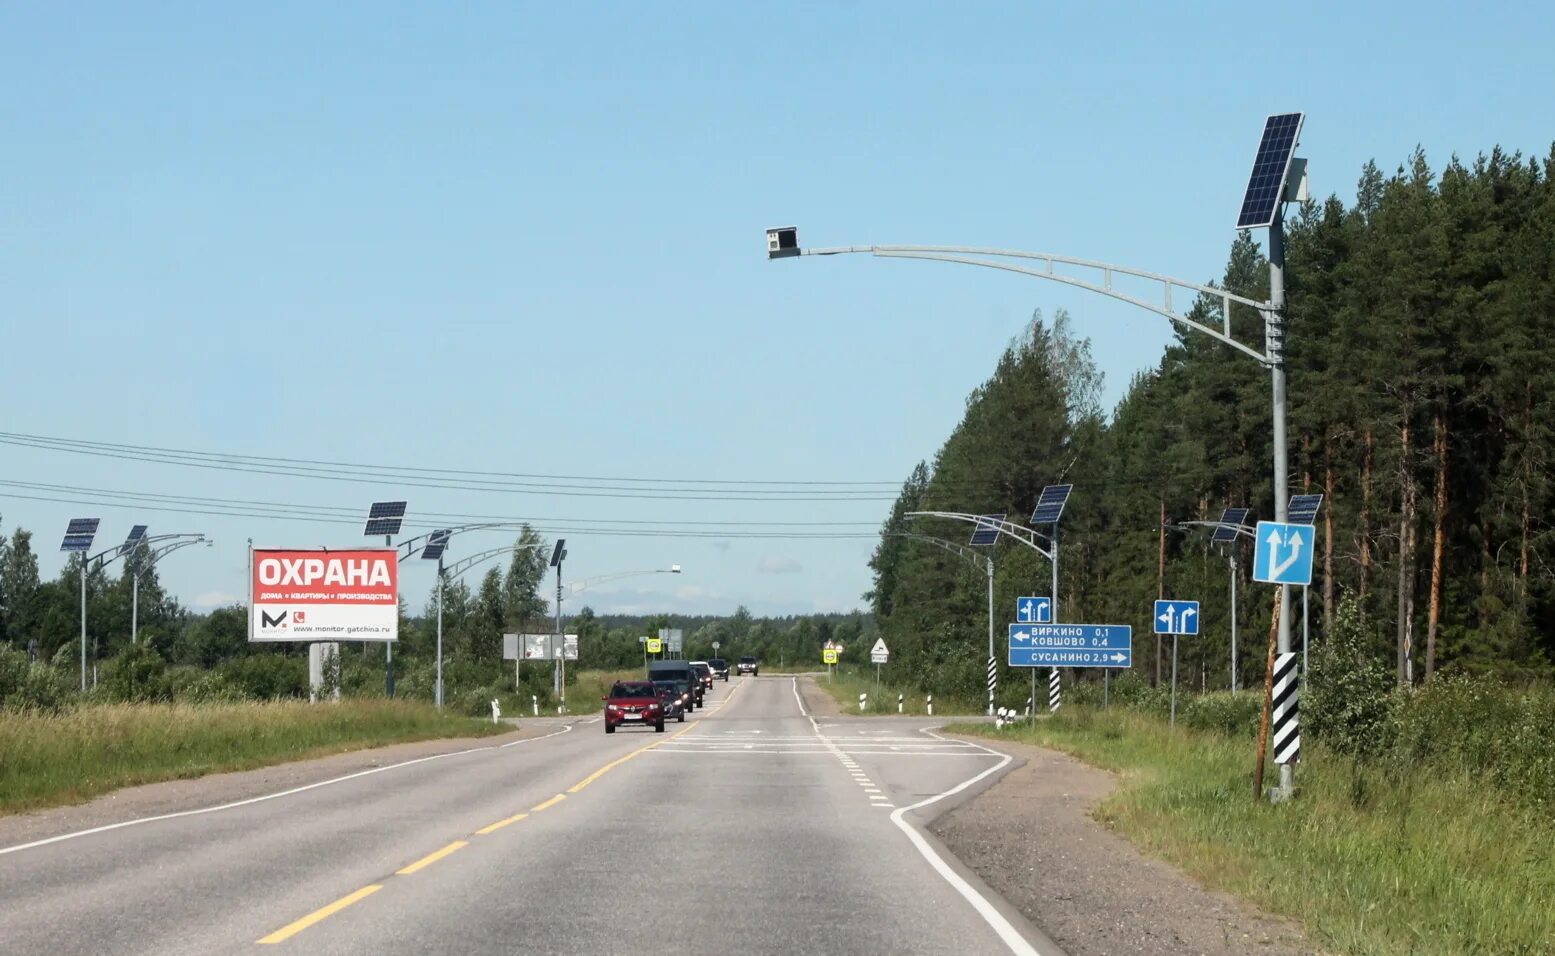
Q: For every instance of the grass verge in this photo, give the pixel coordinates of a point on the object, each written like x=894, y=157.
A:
x=1372, y=861
x=846, y=684
x=54, y=759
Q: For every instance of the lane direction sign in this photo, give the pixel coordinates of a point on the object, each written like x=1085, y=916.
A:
x=1034, y=610
x=1283, y=553
x=1177, y=617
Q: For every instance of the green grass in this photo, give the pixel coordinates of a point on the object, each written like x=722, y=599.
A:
x=846, y=684
x=1372, y=861
x=53, y=759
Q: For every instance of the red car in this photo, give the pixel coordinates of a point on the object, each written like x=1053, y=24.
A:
x=634, y=703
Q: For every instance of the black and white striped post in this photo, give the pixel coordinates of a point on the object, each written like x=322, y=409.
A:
x=993, y=680
x=1285, y=701
x=1054, y=691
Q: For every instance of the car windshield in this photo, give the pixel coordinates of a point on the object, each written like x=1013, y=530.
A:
x=747, y=660
x=718, y=662
x=633, y=690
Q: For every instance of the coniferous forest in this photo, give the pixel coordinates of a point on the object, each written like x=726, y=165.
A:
x=1421, y=335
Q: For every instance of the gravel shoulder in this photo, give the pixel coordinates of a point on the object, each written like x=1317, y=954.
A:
x=816, y=700
x=173, y=796
x=1031, y=837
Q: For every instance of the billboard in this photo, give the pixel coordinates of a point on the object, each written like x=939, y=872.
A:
x=323, y=595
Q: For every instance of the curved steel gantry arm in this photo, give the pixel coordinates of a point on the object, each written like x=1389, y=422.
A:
x=1020, y=533
x=989, y=259
x=587, y=583
x=454, y=570
x=975, y=557
x=1240, y=529
x=166, y=549
x=410, y=546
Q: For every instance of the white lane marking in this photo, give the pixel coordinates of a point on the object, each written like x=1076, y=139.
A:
x=1011, y=937
x=272, y=796
x=696, y=752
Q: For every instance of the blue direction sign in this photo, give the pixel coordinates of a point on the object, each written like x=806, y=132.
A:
x=1283, y=553
x=1034, y=610
x=1177, y=617
x=1071, y=645
x=1056, y=657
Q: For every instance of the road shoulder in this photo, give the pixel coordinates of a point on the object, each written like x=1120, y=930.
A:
x=176, y=796
x=1032, y=838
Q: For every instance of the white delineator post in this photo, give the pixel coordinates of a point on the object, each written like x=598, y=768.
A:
x=931, y=705
x=899, y=703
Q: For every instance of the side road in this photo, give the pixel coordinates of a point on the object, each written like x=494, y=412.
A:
x=1033, y=839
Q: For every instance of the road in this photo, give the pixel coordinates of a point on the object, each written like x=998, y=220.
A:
x=751, y=827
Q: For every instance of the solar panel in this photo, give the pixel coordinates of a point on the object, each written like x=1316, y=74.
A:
x=1050, y=504
x=385, y=517
x=987, y=533
x=1303, y=508
x=136, y=533
x=1266, y=185
x=1230, y=520
x=82, y=526
x=79, y=534
x=436, y=544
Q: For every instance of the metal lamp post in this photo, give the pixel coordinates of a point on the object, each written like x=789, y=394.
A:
x=1278, y=177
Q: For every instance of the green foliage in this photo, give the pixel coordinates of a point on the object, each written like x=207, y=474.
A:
x=266, y=676
x=27, y=686
x=138, y=674
x=1347, y=701
x=1222, y=712
x=1476, y=728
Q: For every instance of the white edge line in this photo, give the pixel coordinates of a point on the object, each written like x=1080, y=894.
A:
x=270, y=796
x=1012, y=937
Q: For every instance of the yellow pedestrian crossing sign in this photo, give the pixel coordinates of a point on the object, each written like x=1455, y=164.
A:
x=829, y=656
x=654, y=644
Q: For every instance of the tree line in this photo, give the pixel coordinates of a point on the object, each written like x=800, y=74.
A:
x=1420, y=323
x=189, y=655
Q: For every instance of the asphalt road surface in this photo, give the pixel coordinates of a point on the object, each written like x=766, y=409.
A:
x=752, y=827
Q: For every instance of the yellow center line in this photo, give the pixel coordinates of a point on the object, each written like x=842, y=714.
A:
x=549, y=803
x=292, y=929
x=577, y=787
x=501, y=823
x=432, y=858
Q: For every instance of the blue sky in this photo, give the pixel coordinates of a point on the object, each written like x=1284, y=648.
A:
x=528, y=238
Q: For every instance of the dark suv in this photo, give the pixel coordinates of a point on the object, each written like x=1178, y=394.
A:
x=681, y=672
x=720, y=668
x=747, y=665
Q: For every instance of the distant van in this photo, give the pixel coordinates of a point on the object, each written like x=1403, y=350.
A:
x=682, y=674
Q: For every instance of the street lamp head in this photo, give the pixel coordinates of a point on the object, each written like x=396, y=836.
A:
x=782, y=242
x=674, y=569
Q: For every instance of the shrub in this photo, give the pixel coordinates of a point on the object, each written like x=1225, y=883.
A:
x=1347, y=701
x=136, y=675
x=1233, y=714
x=28, y=686
x=267, y=676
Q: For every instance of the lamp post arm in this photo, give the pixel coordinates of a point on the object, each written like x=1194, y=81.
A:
x=587, y=583
x=1020, y=533
x=989, y=259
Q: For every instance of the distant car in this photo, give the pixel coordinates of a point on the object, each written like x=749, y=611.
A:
x=673, y=696
x=720, y=668
x=747, y=665
x=704, y=672
x=680, y=671
x=633, y=702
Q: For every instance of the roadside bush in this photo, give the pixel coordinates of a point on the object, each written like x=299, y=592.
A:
x=1474, y=726
x=32, y=687
x=1348, y=701
x=267, y=676
x=1223, y=712
x=136, y=675
x=196, y=685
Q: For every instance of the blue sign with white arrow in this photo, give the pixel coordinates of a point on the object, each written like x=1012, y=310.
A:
x=1034, y=610
x=1177, y=617
x=1283, y=553
x=1056, y=657
x=1071, y=645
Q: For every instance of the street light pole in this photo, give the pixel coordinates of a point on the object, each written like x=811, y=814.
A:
x=974, y=557
x=1274, y=333
x=439, y=693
